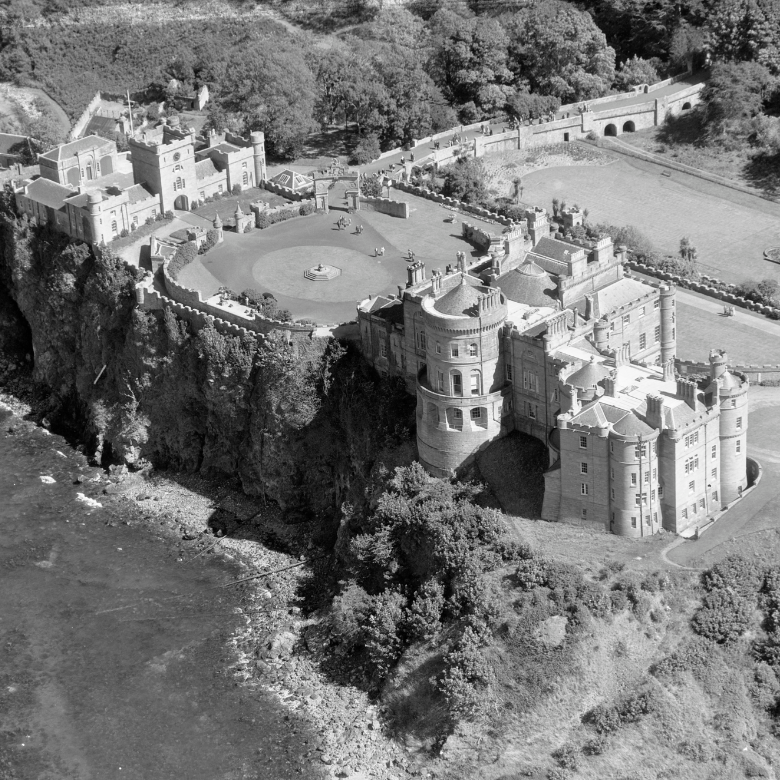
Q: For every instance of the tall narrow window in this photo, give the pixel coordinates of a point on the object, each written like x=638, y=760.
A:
x=475, y=383
x=457, y=384
x=584, y=488
x=472, y=350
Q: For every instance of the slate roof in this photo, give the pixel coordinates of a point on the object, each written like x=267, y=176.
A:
x=460, y=300
x=292, y=179
x=631, y=425
x=67, y=151
x=48, y=193
x=205, y=168
x=618, y=294
x=529, y=284
x=589, y=375
x=138, y=192
x=225, y=148
x=555, y=249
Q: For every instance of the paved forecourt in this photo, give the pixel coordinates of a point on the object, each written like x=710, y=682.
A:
x=729, y=235
x=274, y=259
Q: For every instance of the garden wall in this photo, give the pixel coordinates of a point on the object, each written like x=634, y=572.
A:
x=86, y=115
x=395, y=208
x=286, y=192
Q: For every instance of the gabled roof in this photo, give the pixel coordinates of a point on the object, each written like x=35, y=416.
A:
x=617, y=294
x=205, y=168
x=138, y=192
x=66, y=151
x=48, y=193
x=555, y=249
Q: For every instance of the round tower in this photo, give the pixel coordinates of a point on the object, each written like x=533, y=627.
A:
x=668, y=327
x=633, y=459
x=733, y=425
x=94, y=207
x=257, y=139
x=218, y=227
x=601, y=335
x=461, y=391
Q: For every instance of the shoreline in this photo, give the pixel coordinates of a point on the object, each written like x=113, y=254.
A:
x=274, y=647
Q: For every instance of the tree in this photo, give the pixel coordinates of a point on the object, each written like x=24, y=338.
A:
x=465, y=180
x=560, y=51
x=523, y=105
x=734, y=95
x=635, y=71
x=366, y=150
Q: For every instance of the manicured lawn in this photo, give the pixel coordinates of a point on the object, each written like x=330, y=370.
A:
x=226, y=206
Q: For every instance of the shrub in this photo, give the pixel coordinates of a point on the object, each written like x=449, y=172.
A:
x=383, y=630
x=169, y=214
x=159, y=217
x=185, y=254
x=512, y=549
x=468, y=673
x=236, y=189
x=124, y=233
x=371, y=188
x=262, y=220
x=567, y=757
x=217, y=196
x=737, y=574
x=248, y=227
x=531, y=573
x=149, y=221
x=307, y=208
x=424, y=616
x=723, y=617
x=349, y=611
x=609, y=718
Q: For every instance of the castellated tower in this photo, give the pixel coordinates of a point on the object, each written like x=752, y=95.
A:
x=257, y=139
x=461, y=394
x=668, y=326
x=731, y=392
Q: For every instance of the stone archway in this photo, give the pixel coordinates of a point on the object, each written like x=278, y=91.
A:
x=182, y=203
x=610, y=129
x=686, y=106
x=629, y=127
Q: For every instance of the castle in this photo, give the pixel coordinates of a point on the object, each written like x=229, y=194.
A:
x=551, y=337
x=90, y=191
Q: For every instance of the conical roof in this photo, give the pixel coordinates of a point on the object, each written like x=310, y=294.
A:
x=529, y=284
x=217, y=221
x=728, y=381
x=588, y=375
x=460, y=300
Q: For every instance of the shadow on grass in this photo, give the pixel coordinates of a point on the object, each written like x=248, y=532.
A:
x=763, y=172
x=685, y=129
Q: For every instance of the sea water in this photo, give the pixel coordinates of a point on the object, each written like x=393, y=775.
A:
x=114, y=655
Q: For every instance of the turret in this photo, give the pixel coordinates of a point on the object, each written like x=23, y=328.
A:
x=257, y=139
x=218, y=227
x=94, y=206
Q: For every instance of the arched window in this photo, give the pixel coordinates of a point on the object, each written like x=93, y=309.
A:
x=457, y=383
x=455, y=418
x=472, y=350
x=245, y=178
x=178, y=184
x=114, y=226
x=475, y=383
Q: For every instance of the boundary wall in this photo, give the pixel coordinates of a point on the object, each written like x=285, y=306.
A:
x=285, y=192
x=86, y=115
x=395, y=208
x=754, y=373
x=453, y=203
x=192, y=300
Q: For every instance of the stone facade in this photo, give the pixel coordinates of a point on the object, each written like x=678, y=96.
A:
x=552, y=338
x=93, y=193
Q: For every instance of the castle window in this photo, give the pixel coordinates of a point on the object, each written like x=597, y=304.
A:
x=245, y=179
x=508, y=372
x=657, y=334
x=476, y=383
x=583, y=442
x=243, y=165
x=612, y=326
x=693, y=508
x=714, y=451
x=637, y=500
x=655, y=449
x=584, y=488
x=633, y=522
x=739, y=446
x=647, y=519
x=655, y=473
x=692, y=486
x=684, y=514
x=438, y=349
x=657, y=303
x=472, y=350
x=674, y=333
x=455, y=351
x=647, y=476
x=641, y=450
x=457, y=383
x=476, y=413
x=220, y=188
x=660, y=491
x=739, y=423
x=383, y=350
x=584, y=513
x=458, y=414
x=555, y=394
x=642, y=312
x=701, y=503
x=612, y=449
x=135, y=219
x=655, y=517
x=714, y=474
x=612, y=492
x=626, y=319
x=642, y=341
x=203, y=194
x=633, y=479
x=440, y=381
x=114, y=226
x=733, y=403
x=532, y=411
x=652, y=495
x=583, y=468
x=714, y=495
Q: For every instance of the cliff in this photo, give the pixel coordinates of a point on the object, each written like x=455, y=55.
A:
x=304, y=425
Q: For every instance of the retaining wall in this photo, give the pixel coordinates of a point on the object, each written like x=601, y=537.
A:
x=86, y=115
x=454, y=203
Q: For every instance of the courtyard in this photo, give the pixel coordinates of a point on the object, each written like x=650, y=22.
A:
x=730, y=230
x=274, y=260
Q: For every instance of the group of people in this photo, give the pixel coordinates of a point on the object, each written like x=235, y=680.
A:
x=344, y=222
x=410, y=255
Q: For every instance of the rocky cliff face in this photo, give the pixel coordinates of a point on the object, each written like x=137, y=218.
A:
x=303, y=425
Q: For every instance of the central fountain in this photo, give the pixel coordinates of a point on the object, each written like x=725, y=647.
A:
x=322, y=273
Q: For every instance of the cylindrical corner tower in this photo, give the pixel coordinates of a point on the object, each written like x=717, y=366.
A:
x=94, y=206
x=635, y=509
x=258, y=149
x=668, y=327
x=460, y=392
x=733, y=423
x=601, y=335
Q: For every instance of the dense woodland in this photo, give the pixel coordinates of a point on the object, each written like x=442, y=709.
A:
x=391, y=74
